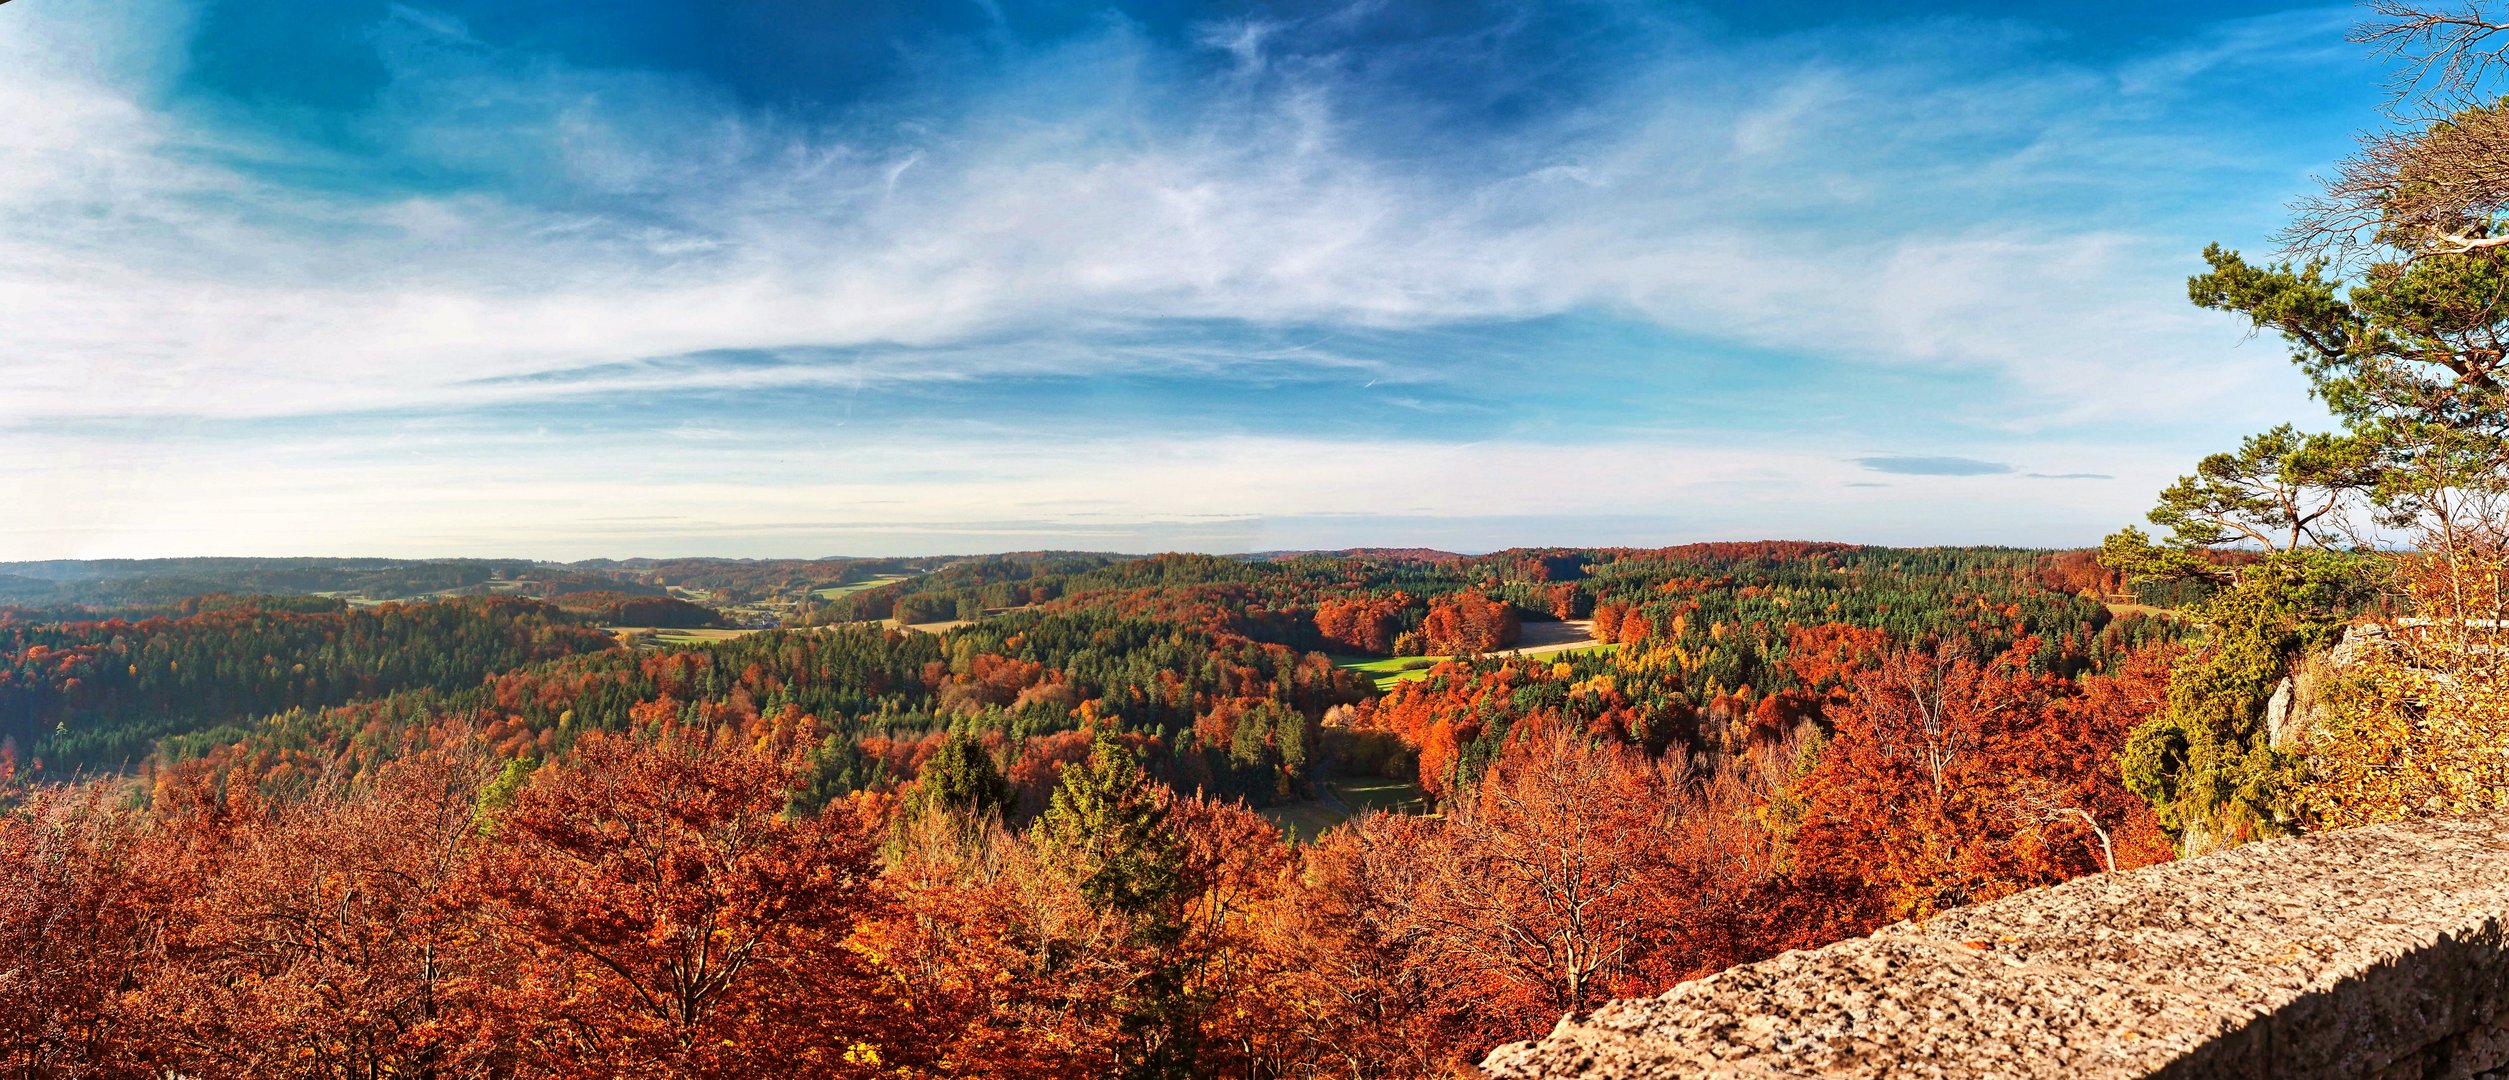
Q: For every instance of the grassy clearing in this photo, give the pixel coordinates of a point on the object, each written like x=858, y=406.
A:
x=834, y=591
x=1304, y=821
x=1364, y=793
x=2123, y=610
x=1576, y=651
x=1386, y=671
x=655, y=635
x=1389, y=670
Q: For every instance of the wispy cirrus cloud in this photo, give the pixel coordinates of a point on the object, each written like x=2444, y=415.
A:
x=613, y=216
x=503, y=230
x=1934, y=466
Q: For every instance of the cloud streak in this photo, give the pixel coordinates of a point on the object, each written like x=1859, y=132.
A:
x=510, y=231
x=666, y=224
x=1934, y=466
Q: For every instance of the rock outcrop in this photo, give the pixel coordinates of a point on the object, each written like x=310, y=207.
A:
x=2378, y=952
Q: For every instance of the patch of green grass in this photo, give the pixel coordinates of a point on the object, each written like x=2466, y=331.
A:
x=834, y=591
x=679, y=636
x=1386, y=671
x=1364, y=793
x=1310, y=819
x=1303, y=820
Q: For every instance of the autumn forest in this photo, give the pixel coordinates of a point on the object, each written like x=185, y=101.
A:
x=1137, y=817
x=1359, y=813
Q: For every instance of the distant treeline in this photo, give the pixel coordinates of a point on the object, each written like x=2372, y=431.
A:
x=99, y=694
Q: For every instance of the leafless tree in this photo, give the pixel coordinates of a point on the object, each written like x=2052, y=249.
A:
x=2035, y=805
x=2437, y=180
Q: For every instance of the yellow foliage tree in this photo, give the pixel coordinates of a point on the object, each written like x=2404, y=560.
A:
x=2420, y=726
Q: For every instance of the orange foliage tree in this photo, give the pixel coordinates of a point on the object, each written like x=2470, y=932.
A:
x=1952, y=781
x=1578, y=871
x=86, y=894
x=1364, y=624
x=1469, y=623
x=331, y=938
x=679, y=923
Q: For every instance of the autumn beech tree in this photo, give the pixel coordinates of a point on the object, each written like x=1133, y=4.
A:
x=1347, y=939
x=86, y=891
x=333, y=940
x=1363, y=625
x=1908, y=776
x=1235, y=996
x=1469, y=623
x=1012, y=974
x=1951, y=781
x=1578, y=870
x=1548, y=886
x=680, y=923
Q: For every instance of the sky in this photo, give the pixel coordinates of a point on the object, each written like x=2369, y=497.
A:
x=785, y=278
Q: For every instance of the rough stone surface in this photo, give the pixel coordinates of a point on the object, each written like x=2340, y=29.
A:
x=2278, y=725
x=2378, y=952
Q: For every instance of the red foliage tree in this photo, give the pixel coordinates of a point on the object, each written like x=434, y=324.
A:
x=1364, y=625
x=1952, y=781
x=680, y=923
x=1469, y=623
x=332, y=940
x=86, y=892
x=1578, y=871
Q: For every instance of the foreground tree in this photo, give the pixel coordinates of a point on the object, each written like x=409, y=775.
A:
x=1109, y=827
x=1951, y=781
x=87, y=889
x=2389, y=301
x=1578, y=871
x=680, y=923
x=332, y=940
x=1012, y=974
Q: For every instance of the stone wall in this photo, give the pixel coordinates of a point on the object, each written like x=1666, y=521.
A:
x=2378, y=952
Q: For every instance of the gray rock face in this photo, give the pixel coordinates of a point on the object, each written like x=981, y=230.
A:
x=2378, y=952
x=2278, y=725
x=2359, y=641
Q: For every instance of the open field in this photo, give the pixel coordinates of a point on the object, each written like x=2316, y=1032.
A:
x=1537, y=639
x=2122, y=610
x=1386, y=671
x=834, y=591
x=1344, y=798
x=659, y=635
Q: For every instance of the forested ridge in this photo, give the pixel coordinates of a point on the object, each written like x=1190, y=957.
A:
x=99, y=693
x=1030, y=845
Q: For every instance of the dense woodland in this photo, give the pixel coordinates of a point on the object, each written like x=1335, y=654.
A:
x=140, y=588
x=1037, y=844
x=98, y=693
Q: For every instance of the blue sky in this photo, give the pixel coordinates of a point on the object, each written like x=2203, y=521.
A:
x=773, y=277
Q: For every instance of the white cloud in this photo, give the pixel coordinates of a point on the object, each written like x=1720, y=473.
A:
x=147, y=253
x=164, y=262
